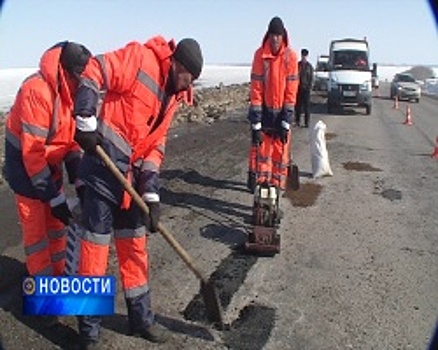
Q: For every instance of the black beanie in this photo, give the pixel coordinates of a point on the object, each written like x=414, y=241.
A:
x=188, y=53
x=74, y=57
x=276, y=26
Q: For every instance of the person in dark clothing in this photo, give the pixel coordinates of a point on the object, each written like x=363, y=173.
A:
x=305, y=70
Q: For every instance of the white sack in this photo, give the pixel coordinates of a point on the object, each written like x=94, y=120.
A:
x=320, y=159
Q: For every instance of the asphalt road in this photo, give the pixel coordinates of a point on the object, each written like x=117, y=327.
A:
x=358, y=267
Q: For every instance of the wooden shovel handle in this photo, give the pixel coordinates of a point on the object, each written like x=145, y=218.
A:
x=137, y=199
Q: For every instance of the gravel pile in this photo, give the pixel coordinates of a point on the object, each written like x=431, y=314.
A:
x=213, y=103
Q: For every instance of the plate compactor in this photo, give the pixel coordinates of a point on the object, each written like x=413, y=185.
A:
x=264, y=238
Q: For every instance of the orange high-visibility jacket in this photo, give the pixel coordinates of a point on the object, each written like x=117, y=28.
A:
x=40, y=131
x=274, y=85
x=131, y=120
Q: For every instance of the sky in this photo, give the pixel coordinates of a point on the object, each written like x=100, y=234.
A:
x=229, y=31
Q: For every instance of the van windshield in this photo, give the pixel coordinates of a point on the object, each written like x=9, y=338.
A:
x=350, y=59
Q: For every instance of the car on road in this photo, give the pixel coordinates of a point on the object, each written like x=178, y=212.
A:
x=405, y=87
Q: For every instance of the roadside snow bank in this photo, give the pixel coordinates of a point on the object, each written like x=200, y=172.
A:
x=10, y=81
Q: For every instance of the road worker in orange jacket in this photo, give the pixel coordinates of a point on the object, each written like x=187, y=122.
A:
x=274, y=85
x=141, y=86
x=39, y=140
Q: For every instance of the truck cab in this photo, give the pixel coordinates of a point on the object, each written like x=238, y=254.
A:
x=321, y=75
x=350, y=76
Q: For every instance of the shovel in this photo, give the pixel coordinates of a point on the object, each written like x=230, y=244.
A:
x=293, y=174
x=208, y=291
x=293, y=177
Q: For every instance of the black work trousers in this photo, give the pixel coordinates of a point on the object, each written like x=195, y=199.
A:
x=302, y=106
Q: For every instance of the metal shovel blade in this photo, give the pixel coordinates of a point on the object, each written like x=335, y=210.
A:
x=293, y=177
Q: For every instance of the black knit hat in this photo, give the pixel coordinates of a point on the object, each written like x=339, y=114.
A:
x=188, y=53
x=74, y=57
x=276, y=26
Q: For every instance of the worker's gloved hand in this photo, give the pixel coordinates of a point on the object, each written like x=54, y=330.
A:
x=86, y=133
x=283, y=134
x=256, y=137
x=151, y=220
x=87, y=140
x=59, y=209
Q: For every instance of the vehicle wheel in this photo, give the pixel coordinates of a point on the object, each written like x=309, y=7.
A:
x=368, y=109
x=417, y=100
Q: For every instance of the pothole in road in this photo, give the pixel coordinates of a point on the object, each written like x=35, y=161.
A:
x=306, y=196
x=228, y=278
x=252, y=329
x=359, y=166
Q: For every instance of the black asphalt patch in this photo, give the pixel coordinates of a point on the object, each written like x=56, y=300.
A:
x=252, y=329
x=228, y=278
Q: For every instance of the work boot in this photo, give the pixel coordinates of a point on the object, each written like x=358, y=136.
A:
x=141, y=319
x=154, y=333
x=251, y=182
x=89, y=332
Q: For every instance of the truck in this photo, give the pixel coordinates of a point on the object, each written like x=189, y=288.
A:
x=320, y=78
x=350, y=76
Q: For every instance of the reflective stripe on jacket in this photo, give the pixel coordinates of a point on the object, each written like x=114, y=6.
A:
x=39, y=132
x=132, y=120
x=274, y=85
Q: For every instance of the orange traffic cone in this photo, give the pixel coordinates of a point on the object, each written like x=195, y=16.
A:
x=435, y=151
x=408, y=120
x=395, y=102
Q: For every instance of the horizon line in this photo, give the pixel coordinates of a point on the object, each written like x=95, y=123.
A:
x=243, y=64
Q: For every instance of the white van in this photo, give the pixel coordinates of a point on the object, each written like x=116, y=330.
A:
x=350, y=76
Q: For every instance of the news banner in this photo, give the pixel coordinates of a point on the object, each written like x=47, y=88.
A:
x=68, y=295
